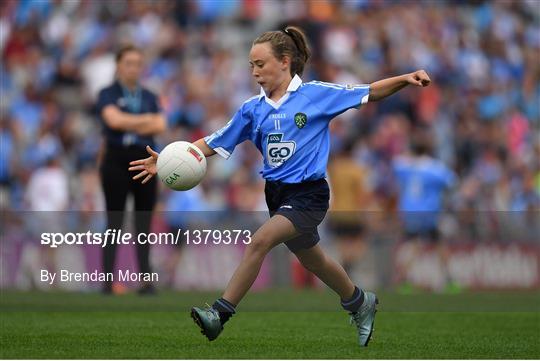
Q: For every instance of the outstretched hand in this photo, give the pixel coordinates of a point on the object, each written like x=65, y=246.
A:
x=147, y=166
x=419, y=78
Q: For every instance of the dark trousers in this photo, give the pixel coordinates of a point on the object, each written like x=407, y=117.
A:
x=117, y=183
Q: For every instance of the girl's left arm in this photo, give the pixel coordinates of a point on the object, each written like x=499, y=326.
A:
x=385, y=87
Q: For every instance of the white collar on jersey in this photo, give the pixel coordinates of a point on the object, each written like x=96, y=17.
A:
x=293, y=86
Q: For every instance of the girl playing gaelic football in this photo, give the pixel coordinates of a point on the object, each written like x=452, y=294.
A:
x=288, y=122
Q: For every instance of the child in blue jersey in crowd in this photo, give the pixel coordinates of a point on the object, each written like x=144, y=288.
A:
x=288, y=122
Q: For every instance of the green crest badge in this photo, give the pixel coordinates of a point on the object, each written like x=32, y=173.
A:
x=300, y=119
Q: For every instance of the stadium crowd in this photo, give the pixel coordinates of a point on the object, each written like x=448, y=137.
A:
x=482, y=111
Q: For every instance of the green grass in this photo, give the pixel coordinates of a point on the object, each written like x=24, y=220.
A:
x=274, y=324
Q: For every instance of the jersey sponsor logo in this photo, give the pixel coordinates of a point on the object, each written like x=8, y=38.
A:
x=300, y=119
x=278, y=151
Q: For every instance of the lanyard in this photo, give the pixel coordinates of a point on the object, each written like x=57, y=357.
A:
x=133, y=99
x=133, y=102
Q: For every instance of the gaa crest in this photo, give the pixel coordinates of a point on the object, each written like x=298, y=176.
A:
x=300, y=119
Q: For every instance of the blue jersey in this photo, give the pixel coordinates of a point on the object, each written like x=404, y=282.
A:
x=422, y=182
x=291, y=134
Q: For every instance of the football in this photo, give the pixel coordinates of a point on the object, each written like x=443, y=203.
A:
x=181, y=165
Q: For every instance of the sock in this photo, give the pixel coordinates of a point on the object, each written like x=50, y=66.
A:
x=353, y=303
x=225, y=309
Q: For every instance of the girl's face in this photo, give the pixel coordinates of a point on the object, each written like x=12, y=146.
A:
x=130, y=67
x=269, y=72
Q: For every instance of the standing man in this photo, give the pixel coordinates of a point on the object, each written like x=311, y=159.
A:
x=131, y=117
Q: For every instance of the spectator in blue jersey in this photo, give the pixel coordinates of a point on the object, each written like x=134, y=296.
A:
x=131, y=117
x=288, y=122
x=422, y=181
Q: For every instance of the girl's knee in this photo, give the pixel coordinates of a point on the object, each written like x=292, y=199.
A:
x=259, y=245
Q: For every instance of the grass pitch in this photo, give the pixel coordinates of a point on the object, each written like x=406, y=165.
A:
x=281, y=324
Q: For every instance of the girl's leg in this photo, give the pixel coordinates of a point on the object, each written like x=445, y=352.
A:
x=361, y=305
x=276, y=230
x=327, y=270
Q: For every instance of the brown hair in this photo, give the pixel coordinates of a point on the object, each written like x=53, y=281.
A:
x=422, y=142
x=126, y=49
x=291, y=42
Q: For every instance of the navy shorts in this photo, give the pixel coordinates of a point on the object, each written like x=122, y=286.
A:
x=304, y=204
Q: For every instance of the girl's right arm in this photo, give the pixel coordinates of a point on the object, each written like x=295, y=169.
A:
x=207, y=151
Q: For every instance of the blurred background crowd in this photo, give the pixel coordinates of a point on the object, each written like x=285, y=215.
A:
x=480, y=117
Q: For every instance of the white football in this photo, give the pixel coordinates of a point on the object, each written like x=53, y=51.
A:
x=181, y=166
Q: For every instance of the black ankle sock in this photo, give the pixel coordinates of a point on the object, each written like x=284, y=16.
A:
x=353, y=303
x=225, y=309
